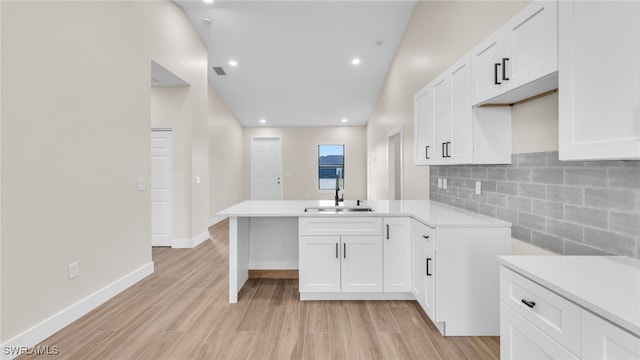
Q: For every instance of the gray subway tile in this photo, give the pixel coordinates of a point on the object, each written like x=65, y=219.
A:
x=547, y=242
x=533, y=191
x=574, y=248
x=565, y=194
x=469, y=184
x=507, y=215
x=434, y=170
x=519, y=204
x=444, y=171
x=488, y=210
x=489, y=185
x=532, y=159
x=628, y=223
x=507, y=188
x=514, y=160
x=565, y=230
x=519, y=175
x=533, y=222
x=586, y=216
x=554, y=210
x=497, y=199
x=610, y=199
x=457, y=202
x=585, y=177
x=520, y=233
x=435, y=197
x=464, y=194
x=610, y=242
x=454, y=171
x=464, y=172
x=553, y=161
x=456, y=182
x=479, y=172
x=547, y=176
x=471, y=205
x=497, y=174
x=626, y=177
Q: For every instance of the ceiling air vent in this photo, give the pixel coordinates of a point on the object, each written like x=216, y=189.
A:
x=219, y=70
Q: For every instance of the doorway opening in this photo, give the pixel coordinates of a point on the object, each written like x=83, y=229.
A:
x=395, y=163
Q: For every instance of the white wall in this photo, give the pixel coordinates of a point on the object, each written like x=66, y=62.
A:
x=226, y=170
x=535, y=125
x=438, y=33
x=75, y=137
x=300, y=159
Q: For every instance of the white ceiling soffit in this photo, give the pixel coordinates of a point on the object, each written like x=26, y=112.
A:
x=160, y=76
x=294, y=57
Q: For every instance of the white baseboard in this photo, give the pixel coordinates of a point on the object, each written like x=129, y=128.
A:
x=304, y=296
x=190, y=243
x=216, y=219
x=55, y=323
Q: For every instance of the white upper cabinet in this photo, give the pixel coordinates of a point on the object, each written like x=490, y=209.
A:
x=425, y=127
x=599, y=78
x=520, y=60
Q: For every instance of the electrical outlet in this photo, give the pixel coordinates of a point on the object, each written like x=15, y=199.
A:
x=197, y=179
x=444, y=183
x=140, y=185
x=478, y=188
x=439, y=183
x=73, y=270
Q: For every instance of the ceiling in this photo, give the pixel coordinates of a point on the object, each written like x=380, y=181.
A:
x=294, y=58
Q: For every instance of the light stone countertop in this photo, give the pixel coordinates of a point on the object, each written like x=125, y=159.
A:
x=608, y=286
x=430, y=213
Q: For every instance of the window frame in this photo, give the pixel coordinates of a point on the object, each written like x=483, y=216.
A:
x=344, y=160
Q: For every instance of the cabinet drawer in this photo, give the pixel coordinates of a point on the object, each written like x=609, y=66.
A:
x=340, y=226
x=422, y=232
x=551, y=313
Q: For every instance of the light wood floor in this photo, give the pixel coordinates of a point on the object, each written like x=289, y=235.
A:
x=182, y=312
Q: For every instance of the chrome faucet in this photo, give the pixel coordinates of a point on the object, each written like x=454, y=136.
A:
x=337, y=198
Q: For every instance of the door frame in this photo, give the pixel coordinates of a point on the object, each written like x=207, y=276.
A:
x=390, y=158
x=253, y=139
x=169, y=131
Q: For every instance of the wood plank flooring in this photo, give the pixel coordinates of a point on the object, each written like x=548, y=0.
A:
x=182, y=312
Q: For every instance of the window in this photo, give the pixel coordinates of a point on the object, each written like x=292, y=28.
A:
x=330, y=164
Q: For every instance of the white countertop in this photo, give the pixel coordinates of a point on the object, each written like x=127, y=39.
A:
x=431, y=213
x=608, y=286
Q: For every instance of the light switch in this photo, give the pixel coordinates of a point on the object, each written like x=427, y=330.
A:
x=439, y=183
x=197, y=179
x=140, y=185
x=478, y=188
x=444, y=183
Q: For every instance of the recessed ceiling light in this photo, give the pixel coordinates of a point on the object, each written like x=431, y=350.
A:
x=206, y=21
x=208, y=1
x=355, y=61
x=233, y=63
x=262, y=121
x=344, y=120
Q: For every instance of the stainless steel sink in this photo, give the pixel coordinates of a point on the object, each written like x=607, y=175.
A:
x=338, y=209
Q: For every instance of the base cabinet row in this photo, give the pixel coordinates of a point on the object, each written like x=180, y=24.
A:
x=536, y=323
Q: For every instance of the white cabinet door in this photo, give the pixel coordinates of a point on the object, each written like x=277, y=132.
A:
x=460, y=147
x=599, y=78
x=397, y=256
x=602, y=340
x=418, y=256
x=361, y=264
x=442, y=114
x=429, y=277
x=319, y=263
x=424, y=127
x=519, y=339
x=486, y=68
x=531, y=46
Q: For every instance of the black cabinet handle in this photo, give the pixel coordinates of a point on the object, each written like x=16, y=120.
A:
x=504, y=68
x=444, y=153
x=337, y=256
x=344, y=251
x=530, y=304
x=426, y=152
x=495, y=74
x=425, y=236
x=428, y=260
x=387, y=231
x=448, y=148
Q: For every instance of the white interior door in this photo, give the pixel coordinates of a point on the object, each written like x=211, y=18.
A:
x=161, y=188
x=266, y=168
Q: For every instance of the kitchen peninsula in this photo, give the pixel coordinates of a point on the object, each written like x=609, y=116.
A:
x=442, y=256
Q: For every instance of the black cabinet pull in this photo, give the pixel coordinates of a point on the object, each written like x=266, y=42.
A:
x=426, y=152
x=444, y=154
x=428, y=273
x=337, y=256
x=495, y=74
x=504, y=69
x=530, y=304
x=425, y=236
x=387, y=231
x=448, y=148
x=344, y=251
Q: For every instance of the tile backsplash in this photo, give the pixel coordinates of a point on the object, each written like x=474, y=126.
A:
x=570, y=208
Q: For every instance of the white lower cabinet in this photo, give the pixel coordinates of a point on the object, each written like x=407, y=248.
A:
x=319, y=263
x=397, y=254
x=361, y=264
x=536, y=323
